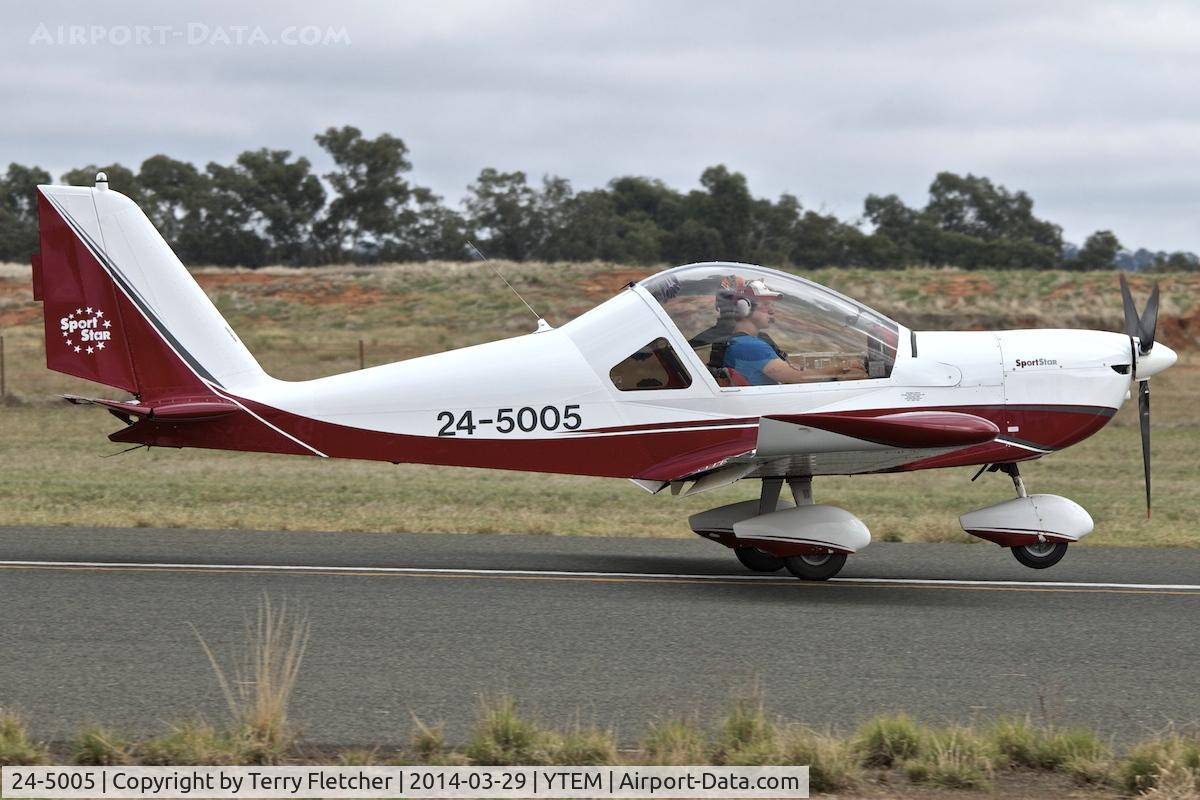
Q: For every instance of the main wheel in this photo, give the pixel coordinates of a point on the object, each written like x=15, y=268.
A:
x=757, y=561
x=815, y=566
x=1040, y=555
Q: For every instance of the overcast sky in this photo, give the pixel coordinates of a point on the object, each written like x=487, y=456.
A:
x=1090, y=107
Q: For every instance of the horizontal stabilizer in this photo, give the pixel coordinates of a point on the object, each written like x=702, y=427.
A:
x=180, y=410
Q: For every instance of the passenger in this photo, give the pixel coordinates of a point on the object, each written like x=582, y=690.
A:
x=752, y=352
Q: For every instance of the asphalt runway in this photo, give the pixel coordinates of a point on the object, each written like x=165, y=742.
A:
x=96, y=625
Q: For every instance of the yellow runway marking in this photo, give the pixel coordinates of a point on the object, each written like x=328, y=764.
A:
x=612, y=578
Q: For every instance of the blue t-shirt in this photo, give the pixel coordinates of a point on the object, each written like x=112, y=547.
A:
x=748, y=355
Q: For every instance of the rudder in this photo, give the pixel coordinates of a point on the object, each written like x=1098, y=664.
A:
x=119, y=307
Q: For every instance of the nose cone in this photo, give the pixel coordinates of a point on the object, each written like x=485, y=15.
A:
x=1159, y=358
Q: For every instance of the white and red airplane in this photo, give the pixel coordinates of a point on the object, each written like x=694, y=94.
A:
x=673, y=383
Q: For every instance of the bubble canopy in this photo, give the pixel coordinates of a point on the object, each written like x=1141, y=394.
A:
x=810, y=326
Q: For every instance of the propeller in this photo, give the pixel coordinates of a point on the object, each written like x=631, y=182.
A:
x=1141, y=328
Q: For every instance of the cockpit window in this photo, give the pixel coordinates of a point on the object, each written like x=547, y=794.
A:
x=758, y=326
x=655, y=366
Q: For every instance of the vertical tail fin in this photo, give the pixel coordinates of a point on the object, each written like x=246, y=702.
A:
x=120, y=308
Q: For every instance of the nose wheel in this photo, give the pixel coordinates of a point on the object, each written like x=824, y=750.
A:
x=1040, y=555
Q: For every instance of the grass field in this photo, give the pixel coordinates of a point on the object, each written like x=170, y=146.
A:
x=304, y=323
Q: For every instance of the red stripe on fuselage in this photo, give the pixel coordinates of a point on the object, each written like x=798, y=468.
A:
x=652, y=456
x=662, y=454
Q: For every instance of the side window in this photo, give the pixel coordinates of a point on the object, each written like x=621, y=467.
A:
x=655, y=366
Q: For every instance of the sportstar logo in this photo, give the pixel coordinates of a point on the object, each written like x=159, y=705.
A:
x=1037, y=362
x=86, y=331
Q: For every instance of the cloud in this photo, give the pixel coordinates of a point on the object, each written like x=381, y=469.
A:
x=1086, y=106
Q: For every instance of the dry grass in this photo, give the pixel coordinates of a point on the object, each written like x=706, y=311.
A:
x=747, y=735
x=264, y=675
x=833, y=764
x=196, y=742
x=675, y=741
x=302, y=323
x=504, y=735
x=17, y=748
x=587, y=745
x=1010, y=758
x=952, y=758
x=888, y=740
x=100, y=746
x=1163, y=767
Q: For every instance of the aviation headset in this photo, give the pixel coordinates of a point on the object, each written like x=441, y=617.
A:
x=743, y=306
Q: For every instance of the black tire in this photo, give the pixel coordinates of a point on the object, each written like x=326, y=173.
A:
x=815, y=566
x=1040, y=555
x=756, y=560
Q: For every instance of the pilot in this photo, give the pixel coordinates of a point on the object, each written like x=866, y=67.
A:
x=752, y=352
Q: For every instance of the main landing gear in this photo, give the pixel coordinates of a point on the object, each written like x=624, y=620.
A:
x=757, y=560
x=769, y=534
x=1036, y=528
x=815, y=566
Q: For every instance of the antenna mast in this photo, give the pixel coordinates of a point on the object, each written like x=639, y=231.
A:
x=542, y=325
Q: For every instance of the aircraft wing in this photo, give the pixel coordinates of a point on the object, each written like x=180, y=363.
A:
x=829, y=444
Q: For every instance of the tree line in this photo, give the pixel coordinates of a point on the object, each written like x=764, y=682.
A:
x=269, y=207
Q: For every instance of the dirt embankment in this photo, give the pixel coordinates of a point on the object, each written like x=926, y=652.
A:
x=922, y=299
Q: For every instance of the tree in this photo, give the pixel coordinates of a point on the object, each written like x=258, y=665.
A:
x=376, y=210
x=591, y=228
x=218, y=230
x=899, y=229
x=822, y=240
x=172, y=194
x=276, y=198
x=1098, y=252
x=1181, y=261
x=18, y=211
x=695, y=241
x=439, y=233
x=984, y=225
x=772, y=231
x=726, y=207
x=976, y=207
x=504, y=210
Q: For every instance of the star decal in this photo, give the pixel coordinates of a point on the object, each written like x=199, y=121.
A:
x=79, y=311
x=65, y=333
x=100, y=346
x=99, y=313
x=76, y=348
x=107, y=324
x=91, y=350
x=69, y=343
x=89, y=309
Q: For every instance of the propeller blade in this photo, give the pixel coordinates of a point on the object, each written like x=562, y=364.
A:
x=1144, y=420
x=1131, y=315
x=1149, y=322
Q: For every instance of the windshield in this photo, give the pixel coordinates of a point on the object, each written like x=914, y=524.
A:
x=759, y=326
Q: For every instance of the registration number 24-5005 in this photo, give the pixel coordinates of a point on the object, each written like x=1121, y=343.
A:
x=507, y=420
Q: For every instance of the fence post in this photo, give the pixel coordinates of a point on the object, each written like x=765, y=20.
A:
x=361, y=358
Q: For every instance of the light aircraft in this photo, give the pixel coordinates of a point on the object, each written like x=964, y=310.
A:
x=679, y=382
